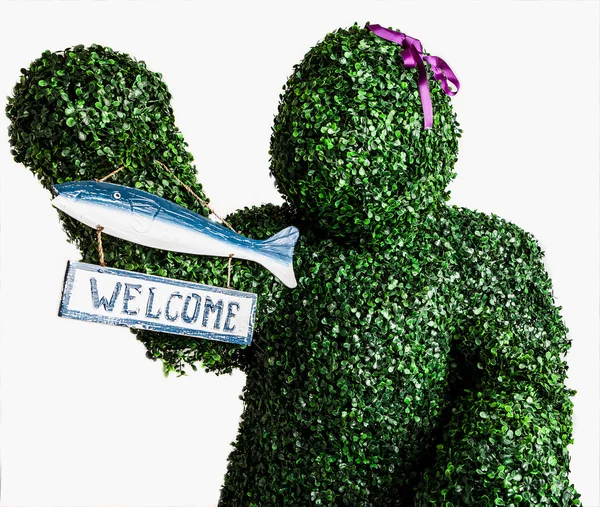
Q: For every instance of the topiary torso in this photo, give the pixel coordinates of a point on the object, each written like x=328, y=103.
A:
x=419, y=360
x=350, y=381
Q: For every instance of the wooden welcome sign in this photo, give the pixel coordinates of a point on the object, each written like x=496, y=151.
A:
x=140, y=301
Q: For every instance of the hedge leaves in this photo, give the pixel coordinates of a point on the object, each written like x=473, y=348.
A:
x=420, y=360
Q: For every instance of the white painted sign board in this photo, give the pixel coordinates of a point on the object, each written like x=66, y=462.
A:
x=125, y=298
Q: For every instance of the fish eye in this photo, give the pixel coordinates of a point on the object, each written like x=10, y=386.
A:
x=117, y=195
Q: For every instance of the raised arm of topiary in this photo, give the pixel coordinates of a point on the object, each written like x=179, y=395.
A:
x=85, y=112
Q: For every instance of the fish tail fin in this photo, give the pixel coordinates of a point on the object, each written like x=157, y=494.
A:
x=278, y=256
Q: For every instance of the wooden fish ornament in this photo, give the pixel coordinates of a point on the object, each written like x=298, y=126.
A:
x=149, y=220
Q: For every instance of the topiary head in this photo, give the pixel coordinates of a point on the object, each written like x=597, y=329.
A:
x=82, y=112
x=349, y=149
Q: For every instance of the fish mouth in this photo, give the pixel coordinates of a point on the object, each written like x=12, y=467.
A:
x=61, y=203
x=54, y=192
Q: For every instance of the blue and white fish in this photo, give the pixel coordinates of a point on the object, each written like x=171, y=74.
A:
x=149, y=220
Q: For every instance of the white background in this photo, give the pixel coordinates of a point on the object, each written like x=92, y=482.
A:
x=86, y=419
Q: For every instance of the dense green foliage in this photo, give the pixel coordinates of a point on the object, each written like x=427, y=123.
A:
x=420, y=359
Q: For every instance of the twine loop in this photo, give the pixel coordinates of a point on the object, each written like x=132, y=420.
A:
x=99, y=230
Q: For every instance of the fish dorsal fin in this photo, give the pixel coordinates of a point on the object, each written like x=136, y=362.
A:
x=143, y=211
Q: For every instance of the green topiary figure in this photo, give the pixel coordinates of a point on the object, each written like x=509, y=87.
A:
x=420, y=359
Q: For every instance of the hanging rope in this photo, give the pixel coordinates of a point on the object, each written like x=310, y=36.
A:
x=116, y=171
x=201, y=201
x=229, y=271
x=99, y=230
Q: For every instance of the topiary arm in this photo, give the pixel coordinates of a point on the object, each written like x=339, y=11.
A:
x=506, y=442
x=82, y=113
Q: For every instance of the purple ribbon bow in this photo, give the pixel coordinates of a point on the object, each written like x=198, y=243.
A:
x=413, y=57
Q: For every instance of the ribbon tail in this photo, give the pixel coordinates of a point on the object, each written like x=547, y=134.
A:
x=424, y=91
